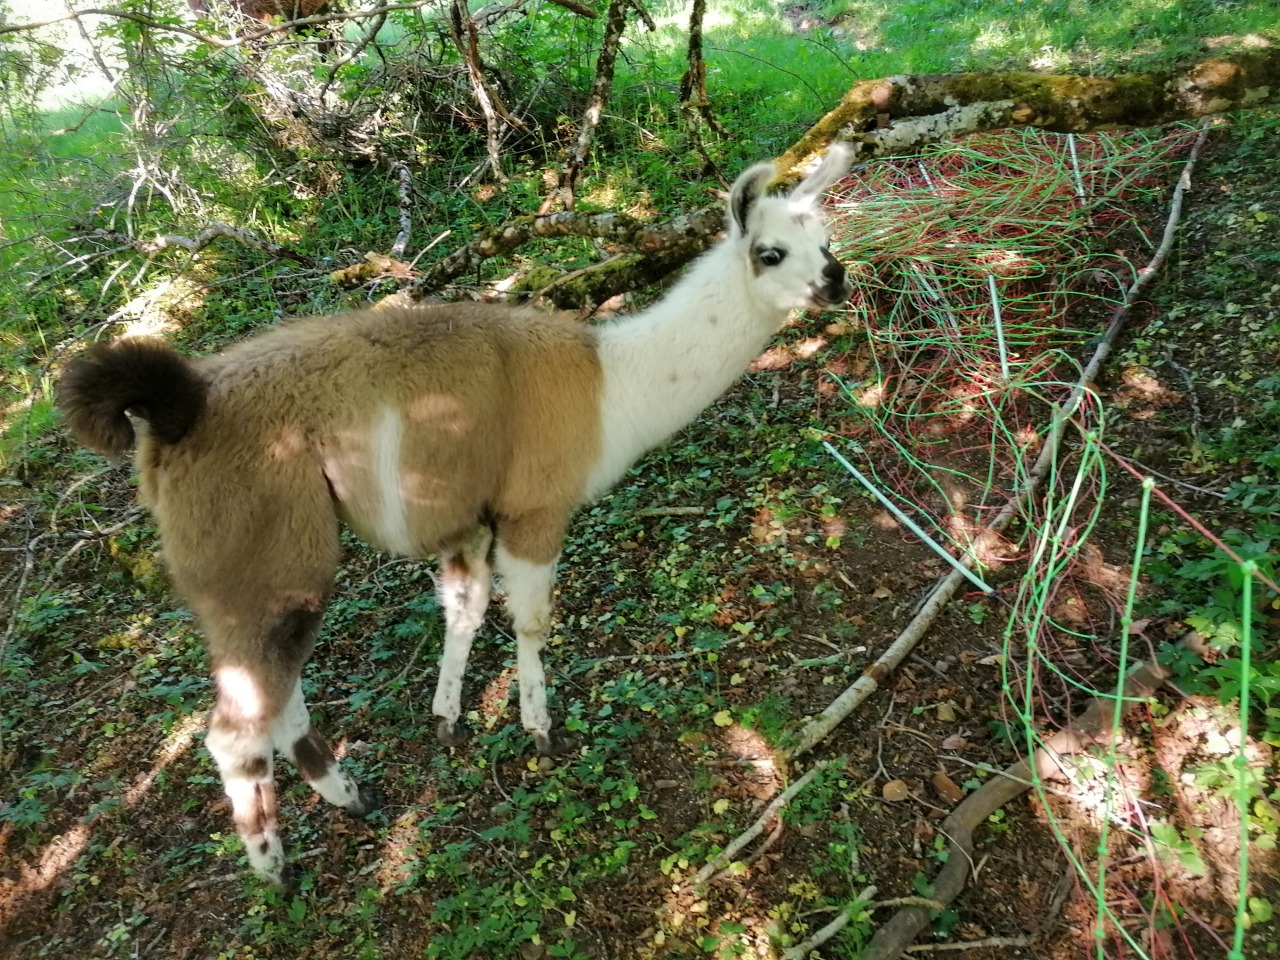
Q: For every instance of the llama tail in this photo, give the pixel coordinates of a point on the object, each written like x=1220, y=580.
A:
x=140, y=375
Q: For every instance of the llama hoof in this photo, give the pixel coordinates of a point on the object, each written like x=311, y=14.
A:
x=554, y=744
x=287, y=881
x=370, y=800
x=453, y=734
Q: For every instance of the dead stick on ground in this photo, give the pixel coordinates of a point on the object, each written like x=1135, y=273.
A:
x=838, y=923
x=725, y=856
x=984, y=944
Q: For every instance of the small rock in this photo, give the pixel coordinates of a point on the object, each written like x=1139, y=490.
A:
x=666, y=784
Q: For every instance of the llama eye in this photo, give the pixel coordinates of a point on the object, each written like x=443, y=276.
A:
x=771, y=256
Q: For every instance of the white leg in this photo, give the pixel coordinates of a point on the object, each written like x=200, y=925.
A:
x=293, y=735
x=242, y=750
x=465, y=579
x=529, y=601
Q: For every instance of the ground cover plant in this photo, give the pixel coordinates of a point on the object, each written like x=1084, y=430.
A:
x=737, y=581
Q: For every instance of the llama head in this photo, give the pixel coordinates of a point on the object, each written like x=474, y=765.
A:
x=783, y=238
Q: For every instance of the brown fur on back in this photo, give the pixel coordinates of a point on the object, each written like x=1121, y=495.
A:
x=498, y=412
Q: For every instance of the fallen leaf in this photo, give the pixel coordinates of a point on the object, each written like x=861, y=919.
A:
x=722, y=719
x=946, y=788
x=957, y=741
x=947, y=712
x=895, y=791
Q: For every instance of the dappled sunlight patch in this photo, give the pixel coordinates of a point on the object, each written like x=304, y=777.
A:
x=161, y=310
x=59, y=855
x=175, y=744
x=404, y=845
x=1167, y=800
x=751, y=767
x=496, y=697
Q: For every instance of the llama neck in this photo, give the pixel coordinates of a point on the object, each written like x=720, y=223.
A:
x=665, y=365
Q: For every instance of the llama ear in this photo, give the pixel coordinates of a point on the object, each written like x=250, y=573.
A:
x=833, y=166
x=746, y=190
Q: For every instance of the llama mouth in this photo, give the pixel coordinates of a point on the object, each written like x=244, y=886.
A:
x=827, y=298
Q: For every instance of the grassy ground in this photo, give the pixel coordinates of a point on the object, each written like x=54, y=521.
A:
x=730, y=587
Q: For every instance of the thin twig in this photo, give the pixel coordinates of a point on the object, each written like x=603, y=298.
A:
x=205, y=236
x=986, y=943
x=405, y=181
x=725, y=856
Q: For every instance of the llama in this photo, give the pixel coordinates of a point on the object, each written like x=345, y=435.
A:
x=467, y=430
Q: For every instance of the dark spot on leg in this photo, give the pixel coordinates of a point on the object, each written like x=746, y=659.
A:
x=293, y=636
x=264, y=847
x=455, y=566
x=254, y=768
x=288, y=881
x=312, y=756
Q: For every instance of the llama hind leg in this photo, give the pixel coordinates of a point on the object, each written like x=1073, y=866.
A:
x=294, y=736
x=465, y=580
x=239, y=739
x=529, y=585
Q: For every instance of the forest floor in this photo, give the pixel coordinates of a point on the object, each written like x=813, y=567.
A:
x=731, y=586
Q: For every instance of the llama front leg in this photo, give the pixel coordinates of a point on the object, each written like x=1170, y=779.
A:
x=294, y=736
x=529, y=588
x=465, y=580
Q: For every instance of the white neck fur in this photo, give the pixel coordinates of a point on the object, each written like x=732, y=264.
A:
x=665, y=365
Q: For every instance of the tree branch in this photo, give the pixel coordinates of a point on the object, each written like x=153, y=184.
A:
x=202, y=239
x=664, y=246
x=405, y=189
x=615, y=24
x=910, y=111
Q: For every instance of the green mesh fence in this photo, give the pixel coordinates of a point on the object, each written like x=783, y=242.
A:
x=983, y=272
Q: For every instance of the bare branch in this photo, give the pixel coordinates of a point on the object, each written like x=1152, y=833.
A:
x=662, y=246
x=615, y=24
x=577, y=8
x=401, y=170
x=466, y=39
x=203, y=238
